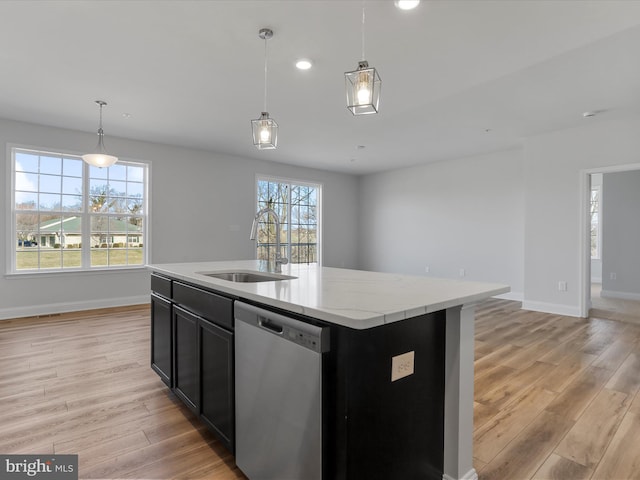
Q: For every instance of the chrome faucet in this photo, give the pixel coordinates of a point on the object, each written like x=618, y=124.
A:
x=280, y=260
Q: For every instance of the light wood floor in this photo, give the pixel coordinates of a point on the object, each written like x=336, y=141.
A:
x=556, y=398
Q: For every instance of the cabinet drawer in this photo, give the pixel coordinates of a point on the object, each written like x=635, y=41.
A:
x=215, y=308
x=161, y=285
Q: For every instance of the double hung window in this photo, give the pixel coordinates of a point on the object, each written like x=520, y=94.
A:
x=298, y=206
x=67, y=215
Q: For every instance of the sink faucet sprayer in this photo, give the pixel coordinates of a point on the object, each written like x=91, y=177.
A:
x=280, y=260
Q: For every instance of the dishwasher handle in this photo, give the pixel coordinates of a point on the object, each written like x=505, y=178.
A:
x=307, y=335
x=270, y=325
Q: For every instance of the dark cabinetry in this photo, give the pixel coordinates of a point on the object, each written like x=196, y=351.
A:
x=216, y=372
x=161, y=329
x=187, y=379
x=201, y=340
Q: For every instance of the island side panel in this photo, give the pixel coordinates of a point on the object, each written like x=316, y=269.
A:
x=458, y=407
x=380, y=428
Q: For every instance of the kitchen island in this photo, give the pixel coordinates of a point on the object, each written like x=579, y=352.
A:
x=388, y=331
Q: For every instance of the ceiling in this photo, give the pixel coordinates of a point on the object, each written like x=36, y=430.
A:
x=459, y=77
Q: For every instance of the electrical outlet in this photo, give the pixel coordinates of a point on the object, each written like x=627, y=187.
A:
x=463, y=272
x=427, y=269
x=562, y=286
x=402, y=365
x=612, y=276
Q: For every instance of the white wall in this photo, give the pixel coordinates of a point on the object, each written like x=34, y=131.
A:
x=461, y=214
x=621, y=235
x=553, y=164
x=207, y=199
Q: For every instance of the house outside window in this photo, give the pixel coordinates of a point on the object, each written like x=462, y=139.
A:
x=67, y=215
x=298, y=205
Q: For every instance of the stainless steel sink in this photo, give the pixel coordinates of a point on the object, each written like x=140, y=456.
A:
x=247, y=276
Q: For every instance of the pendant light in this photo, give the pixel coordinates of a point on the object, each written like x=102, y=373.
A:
x=363, y=85
x=100, y=158
x=265, y=129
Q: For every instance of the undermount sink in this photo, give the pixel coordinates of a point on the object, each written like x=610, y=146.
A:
x=247, y=276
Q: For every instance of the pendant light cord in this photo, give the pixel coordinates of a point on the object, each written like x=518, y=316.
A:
x=363, y=58
x=265, y=74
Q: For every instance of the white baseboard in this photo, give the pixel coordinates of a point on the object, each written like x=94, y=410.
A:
x=620, y=295
x=515, y=296
x=556, y=308
x=597, y=280
x=470, y=475
x=51, y=308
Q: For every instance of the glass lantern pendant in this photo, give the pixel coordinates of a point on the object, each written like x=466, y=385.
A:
x=265, y=132
x=363, y=89
x=265, y=129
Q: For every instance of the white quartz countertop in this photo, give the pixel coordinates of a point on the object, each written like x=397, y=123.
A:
x=352, y=298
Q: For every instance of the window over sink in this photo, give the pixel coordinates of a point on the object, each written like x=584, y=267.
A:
x=298, y=205
x=67, y=215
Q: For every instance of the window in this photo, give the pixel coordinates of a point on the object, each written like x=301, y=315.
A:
x=298, y=205
x=67, y=215
x=595, y=207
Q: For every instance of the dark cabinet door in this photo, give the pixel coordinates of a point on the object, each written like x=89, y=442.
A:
x=217, y=387
x=186, y=358
x=161, y=335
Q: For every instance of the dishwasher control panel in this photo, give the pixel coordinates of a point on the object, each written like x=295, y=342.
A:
x=304, y=334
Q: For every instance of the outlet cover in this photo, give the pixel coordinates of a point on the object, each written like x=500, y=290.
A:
x=402, y=365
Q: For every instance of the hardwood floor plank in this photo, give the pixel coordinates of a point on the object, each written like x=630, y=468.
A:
x=492, y=437
x=107, y=450
x=522, y=457
x=612, y=357
x=559, y=468
x=621, y=460
x=576, y=397
x=626, y=378
x=566, y=370
x=482, y=414
x=587, y=440
x=510, y=388
x=120, y=466
x=635, y=405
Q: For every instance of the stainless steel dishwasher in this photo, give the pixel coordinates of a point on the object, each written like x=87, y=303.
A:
x=278, y=378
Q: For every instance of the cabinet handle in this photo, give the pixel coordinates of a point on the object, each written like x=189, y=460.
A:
x=270, y=325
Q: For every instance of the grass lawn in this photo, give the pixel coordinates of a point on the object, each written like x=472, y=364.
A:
x=27, y=258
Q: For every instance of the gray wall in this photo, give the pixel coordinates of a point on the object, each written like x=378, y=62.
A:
x=202, y=205
x=621, y=235
x=460, y=214
x=553, y=165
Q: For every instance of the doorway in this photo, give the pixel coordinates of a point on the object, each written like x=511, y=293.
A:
x=610, y=233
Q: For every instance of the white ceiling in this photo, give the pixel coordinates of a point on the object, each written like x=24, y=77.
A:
x=190, y=73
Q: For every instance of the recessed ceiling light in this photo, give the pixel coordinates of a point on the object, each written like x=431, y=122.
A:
x=407, y=4
x=304, y=64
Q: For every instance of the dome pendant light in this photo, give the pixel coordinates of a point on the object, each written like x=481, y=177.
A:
x=265, y=129
x=363, y=85
x=100, y=158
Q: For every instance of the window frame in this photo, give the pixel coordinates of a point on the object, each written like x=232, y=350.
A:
x=85, y=215
x=297, y=182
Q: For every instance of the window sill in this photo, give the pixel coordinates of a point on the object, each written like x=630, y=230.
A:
x=56, y=273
